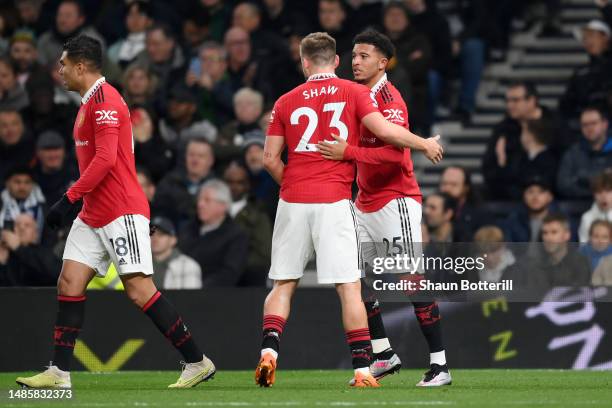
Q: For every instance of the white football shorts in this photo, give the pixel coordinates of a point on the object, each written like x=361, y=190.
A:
x=125, y=242
x=327, y=229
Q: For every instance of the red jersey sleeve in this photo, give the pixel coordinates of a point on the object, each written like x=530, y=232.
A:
x=276, y=126
x=364, y=104
x=374, y=155
x=105, y=117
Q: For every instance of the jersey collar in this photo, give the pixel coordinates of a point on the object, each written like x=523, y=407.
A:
x=379, y=85
x=322, y=76
x=92, y=90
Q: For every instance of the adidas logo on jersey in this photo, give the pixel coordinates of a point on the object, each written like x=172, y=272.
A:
x=122, y=262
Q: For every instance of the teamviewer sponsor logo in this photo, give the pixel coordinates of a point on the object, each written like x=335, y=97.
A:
x=104, y=117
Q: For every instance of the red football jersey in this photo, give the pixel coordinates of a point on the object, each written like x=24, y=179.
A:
x=310, y=113
x=105, y=152
x=381, y=183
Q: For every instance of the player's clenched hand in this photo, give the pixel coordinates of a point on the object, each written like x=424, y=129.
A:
x=333, y=150
x=58, y=211
x=433, y=149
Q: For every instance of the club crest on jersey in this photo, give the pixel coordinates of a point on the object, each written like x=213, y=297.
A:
x=394, y=115
x=106, y=117
x=81, y=119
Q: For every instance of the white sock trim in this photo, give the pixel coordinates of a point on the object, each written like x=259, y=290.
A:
x=271, y=351
x=380, y=345
x=437, y=358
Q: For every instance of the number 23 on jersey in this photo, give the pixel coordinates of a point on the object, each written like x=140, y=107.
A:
x=313, y=120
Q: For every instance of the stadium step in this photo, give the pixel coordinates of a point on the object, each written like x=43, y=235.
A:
x=548, y=62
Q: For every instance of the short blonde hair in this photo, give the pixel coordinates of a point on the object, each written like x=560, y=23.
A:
x=489, y=238
x=320, y=48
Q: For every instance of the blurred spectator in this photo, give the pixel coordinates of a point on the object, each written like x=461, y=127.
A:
x=214, y=87
x=332, y=19
x=599, y=243
x=413, y=52
x=238, y=46
x=267, y=48
x=163, y=58
x=242, y=67
x=147, y=184
x=177, y=191
x=467, y=215
x=214, y=240
x=605, y=6
x=12, y=95
x=4, y=33
x=282, y=20
x=439, y=211
x=524, y=224
x=537, y=160
x=23, y=262
x=138, y=19
x=586, y=158
x=295, y=73
x=470, y=27
x=248, y=107
x=265, y=44
x=219, y=13
x=499, y=260
x=181, y=123
x=43, y=113
x=601, y=187
x=559, y=264
x=31, y=16
x=434, y=25
x=263, y=186
x=195, y=32
x=69, y=22
x=250, y=215
x=21, y=196
x=24, y=55
x=499, y=162
x=139, y=86
x=173, y=269
x=52, y=173
x=151, y=151
x=590, y=83
x=149, y=188
x=16, y=146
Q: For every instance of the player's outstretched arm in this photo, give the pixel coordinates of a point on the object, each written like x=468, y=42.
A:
x=341, y=150
x=401, y=137
x=272, y=157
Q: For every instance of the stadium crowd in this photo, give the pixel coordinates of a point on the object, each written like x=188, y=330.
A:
x=200, y=78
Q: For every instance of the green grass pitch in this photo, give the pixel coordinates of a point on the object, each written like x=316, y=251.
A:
x=471, y=388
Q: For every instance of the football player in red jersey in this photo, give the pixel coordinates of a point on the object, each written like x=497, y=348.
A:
x=315, y=212
x=113, y=225
x=389, y=203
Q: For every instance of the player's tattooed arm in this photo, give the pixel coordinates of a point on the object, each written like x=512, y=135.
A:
x=272, y=161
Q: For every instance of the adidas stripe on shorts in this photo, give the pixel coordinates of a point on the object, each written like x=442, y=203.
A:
x=124, y=242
